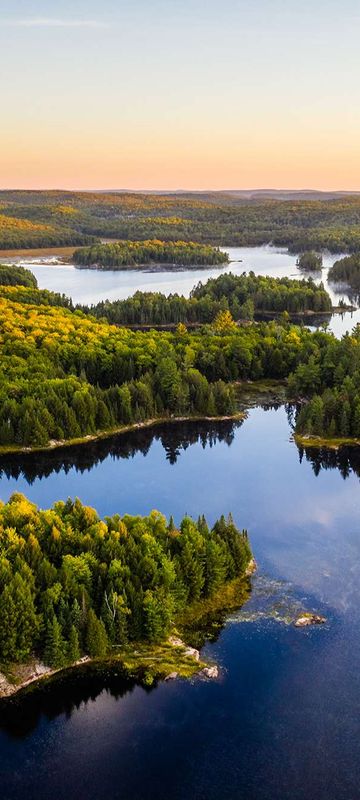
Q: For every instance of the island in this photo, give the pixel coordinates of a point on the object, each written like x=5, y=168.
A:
x=245, y=296
x=152, y=253
x=112, y=593
x=309, y=261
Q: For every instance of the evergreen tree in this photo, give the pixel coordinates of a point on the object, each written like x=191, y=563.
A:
x=55, y=648
x=97, y=643
x=73, y=648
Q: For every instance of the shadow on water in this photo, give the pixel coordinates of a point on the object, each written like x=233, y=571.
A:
x=174, y=438
x=345, y=459
x=63, y=694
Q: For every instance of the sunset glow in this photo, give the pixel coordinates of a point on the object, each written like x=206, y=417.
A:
x=180, y=95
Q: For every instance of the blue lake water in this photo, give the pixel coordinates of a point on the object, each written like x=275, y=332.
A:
x=283, y=721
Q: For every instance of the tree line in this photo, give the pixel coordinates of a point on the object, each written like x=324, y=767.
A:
x=16, y=276
x=242, y=295
x=125, y=254
x=73, y=584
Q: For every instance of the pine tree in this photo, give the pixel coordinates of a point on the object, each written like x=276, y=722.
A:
x=18, y=620
x=73, y=648
x=55, y=649
x=97, y=642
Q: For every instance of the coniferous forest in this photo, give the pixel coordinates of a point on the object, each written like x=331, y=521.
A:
x=127, y=254
x=72, y=584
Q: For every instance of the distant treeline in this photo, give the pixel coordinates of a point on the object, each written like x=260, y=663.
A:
x=71, y=583
x=130, y=254
x=243, y=295
x=35, y=219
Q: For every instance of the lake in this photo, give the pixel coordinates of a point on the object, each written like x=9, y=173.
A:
x=90, y=286
x=282, y=723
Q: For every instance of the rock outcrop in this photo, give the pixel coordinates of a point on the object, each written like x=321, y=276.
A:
x=306, y=619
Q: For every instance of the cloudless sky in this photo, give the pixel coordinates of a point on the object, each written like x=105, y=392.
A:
x=168, y=94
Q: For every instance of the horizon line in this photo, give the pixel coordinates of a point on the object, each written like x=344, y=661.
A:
x=179, y=190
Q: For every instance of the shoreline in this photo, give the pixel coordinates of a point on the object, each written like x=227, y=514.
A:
x=144, y=663
x=134, y=426
x=152, y=268
x=308, y=440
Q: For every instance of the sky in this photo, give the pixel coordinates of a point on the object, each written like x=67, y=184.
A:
x=180, y=94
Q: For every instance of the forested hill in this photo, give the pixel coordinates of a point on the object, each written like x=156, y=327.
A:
x=127, y=254
x=71, y=583
x=42, y=219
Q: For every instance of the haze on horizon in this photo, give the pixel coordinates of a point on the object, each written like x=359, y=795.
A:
x=187, y=94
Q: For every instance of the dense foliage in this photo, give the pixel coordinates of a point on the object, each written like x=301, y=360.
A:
x=16, y=276
x=32, y=296
x=71, y=583
x=331, y=378
x=266, y=293
x=346, y=270
x=130, y=254
x=243, y=295
x=63, y=375
x=335, y=413
x=30, y=219
x=310, y=261
x=18, y=233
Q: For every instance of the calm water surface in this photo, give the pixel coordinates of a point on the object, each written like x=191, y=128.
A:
x=91, y=286
x=284, y=720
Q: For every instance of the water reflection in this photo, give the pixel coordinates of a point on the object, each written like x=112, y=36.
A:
x=344, y=459
x=20, y=716
x=174, y=438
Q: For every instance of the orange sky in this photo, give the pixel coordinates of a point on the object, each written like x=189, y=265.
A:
x=182, y=95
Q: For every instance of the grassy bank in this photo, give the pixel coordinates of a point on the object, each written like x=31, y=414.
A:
x=307, y=440
x=142, y=663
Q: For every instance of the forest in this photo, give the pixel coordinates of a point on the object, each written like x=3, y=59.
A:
x=44, y=219
x=346, y=270
x=242, y=295
x=333, y=414
x=127, y=254
x=73, y=584
x=65, y=375
x=16, y=276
